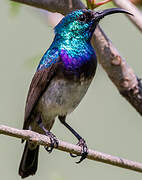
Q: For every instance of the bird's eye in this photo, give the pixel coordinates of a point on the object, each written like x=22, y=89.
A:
x=82, y=17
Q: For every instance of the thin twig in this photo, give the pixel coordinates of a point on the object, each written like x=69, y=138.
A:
x=70, y=148
x=137, y=18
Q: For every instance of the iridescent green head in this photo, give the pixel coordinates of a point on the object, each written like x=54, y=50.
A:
x=82, y=23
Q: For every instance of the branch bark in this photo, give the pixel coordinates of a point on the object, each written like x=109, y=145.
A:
x=115, y=66
x=60, y=6
x=137, y=18
x=70, y=148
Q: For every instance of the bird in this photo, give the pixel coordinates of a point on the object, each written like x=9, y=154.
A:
x=61, y=80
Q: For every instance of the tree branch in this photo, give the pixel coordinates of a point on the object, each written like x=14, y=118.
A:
x=60, y=6
x=70, y=148
x=116, y=67
x=137, y=18
x=118, y=70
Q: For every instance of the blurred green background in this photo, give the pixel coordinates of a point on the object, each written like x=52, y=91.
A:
x=107, y=122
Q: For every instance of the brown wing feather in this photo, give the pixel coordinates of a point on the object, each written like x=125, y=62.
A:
x=38, y=85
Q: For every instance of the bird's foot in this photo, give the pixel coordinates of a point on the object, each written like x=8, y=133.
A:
x=54, y=142
x=84, y=150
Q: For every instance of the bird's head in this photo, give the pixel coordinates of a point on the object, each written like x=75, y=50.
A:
x=82, y=23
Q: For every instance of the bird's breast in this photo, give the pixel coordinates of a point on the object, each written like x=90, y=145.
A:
x=69, y=85
x=61, y=97
x=79, y=63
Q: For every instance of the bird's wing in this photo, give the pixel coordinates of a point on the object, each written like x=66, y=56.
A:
x=38, y=85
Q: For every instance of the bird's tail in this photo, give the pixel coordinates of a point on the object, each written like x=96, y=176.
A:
x=29, y=161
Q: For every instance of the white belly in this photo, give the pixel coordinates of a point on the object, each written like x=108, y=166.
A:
x=61, y=98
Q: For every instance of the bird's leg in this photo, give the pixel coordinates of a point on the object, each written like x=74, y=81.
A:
x=53, y=139
x=81, y=143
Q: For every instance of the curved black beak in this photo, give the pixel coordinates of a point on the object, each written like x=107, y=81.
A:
x=101, y=14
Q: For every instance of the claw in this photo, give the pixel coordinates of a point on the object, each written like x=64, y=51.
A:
x=84, y=151
x=53, y=140
x=83, y=156
x=73, y=155
x=49, y=149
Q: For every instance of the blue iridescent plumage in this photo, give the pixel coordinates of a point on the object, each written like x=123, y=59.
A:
x=71, y=43
x=50, y=57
